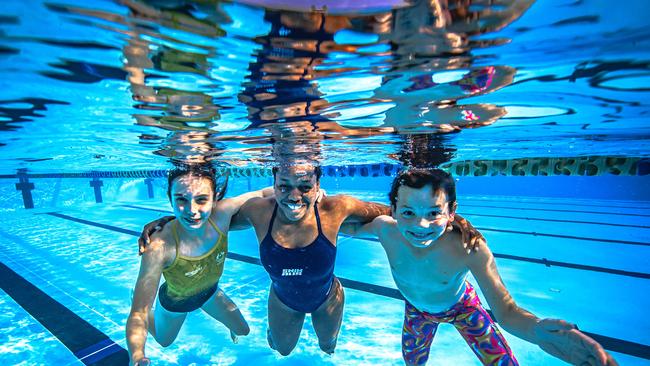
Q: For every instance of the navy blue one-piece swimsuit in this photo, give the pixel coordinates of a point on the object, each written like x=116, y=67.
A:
x=301, y=277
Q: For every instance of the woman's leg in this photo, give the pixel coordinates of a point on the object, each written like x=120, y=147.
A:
x=164, y=325
x=222, y=308
x=417, y=334
x=327, y=318
x=285, y=325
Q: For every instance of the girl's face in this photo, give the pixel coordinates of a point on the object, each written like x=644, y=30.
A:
x=421, y=214
x=192, y=200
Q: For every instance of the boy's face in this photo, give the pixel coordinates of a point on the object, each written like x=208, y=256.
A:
x=422, y=215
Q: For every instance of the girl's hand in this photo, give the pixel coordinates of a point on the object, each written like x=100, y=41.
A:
x=566, y=342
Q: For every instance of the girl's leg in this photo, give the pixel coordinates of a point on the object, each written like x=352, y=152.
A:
x=285, y=325
x=417, y=334
x=327, y=318
x=481, y=333
x=164, y=325
x=222, y=308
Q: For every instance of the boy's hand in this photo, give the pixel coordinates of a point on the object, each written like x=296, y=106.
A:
x=471, y=238
x=142, y=362
x=566, y=342
x=149, y=229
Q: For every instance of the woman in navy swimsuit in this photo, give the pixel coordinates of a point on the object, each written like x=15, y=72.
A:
x=297, y=235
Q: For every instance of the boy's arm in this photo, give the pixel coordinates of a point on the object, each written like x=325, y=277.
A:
x=556, y=337
x=146, y=287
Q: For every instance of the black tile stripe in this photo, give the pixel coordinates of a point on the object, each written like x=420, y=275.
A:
x=615, y=241
x=556, y=210
x=87, y=343
x=511, y=199
x=549, y=263
x=465, y=214
x=533, y=233
x=609, y=343
x=543, y=261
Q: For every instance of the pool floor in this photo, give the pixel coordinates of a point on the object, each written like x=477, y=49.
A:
x=583, y=261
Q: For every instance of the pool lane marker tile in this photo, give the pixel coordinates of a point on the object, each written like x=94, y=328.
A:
x=26, y=187
x=90, y=345
x=97, y=184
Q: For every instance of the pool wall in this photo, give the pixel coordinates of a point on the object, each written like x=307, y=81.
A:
x=65, y=190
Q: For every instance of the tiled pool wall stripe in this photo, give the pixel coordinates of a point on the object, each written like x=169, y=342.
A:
x=610, y=343
x=90, y=345
x=578, y=166
x=584, y=166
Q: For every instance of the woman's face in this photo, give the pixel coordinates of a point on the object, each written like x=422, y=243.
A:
x=296, y=188
x=192, y=200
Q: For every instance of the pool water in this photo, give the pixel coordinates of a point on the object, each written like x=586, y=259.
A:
x=538, y=109
x=558, y=258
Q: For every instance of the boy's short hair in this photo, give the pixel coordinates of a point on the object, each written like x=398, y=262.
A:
x=317, y=171
x=418, y=178
x=199, y=171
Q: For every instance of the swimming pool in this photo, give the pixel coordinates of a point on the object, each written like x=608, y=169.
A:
x=550, y=154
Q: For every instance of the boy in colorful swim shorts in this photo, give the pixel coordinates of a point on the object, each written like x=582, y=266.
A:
x=430, y=269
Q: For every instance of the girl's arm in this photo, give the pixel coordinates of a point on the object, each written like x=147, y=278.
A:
x=146, y=286
x=556, y=337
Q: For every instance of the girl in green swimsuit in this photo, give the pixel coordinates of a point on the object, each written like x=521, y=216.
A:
x=189, y=253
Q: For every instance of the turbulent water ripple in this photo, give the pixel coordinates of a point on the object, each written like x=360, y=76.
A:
x=248, y=85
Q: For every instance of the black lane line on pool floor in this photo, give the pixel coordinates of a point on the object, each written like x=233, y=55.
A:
x=544, y=261
x=509, y=199
x=533, y=233
x=609, y=343
x=550, y=263
x=90, y=345
x=465, y=214
x=558, y=210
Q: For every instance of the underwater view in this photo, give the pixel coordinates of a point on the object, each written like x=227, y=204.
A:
x=332, y=182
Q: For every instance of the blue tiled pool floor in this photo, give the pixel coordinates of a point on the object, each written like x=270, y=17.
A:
x=91, y=270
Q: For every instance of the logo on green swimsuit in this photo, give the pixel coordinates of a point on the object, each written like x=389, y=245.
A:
x=221, y=257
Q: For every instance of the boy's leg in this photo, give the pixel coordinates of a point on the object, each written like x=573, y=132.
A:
x=327, y=318
x=285, y=325
x=164, y=325
x=417, y=334
x=481, y=333
x=222, y=308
